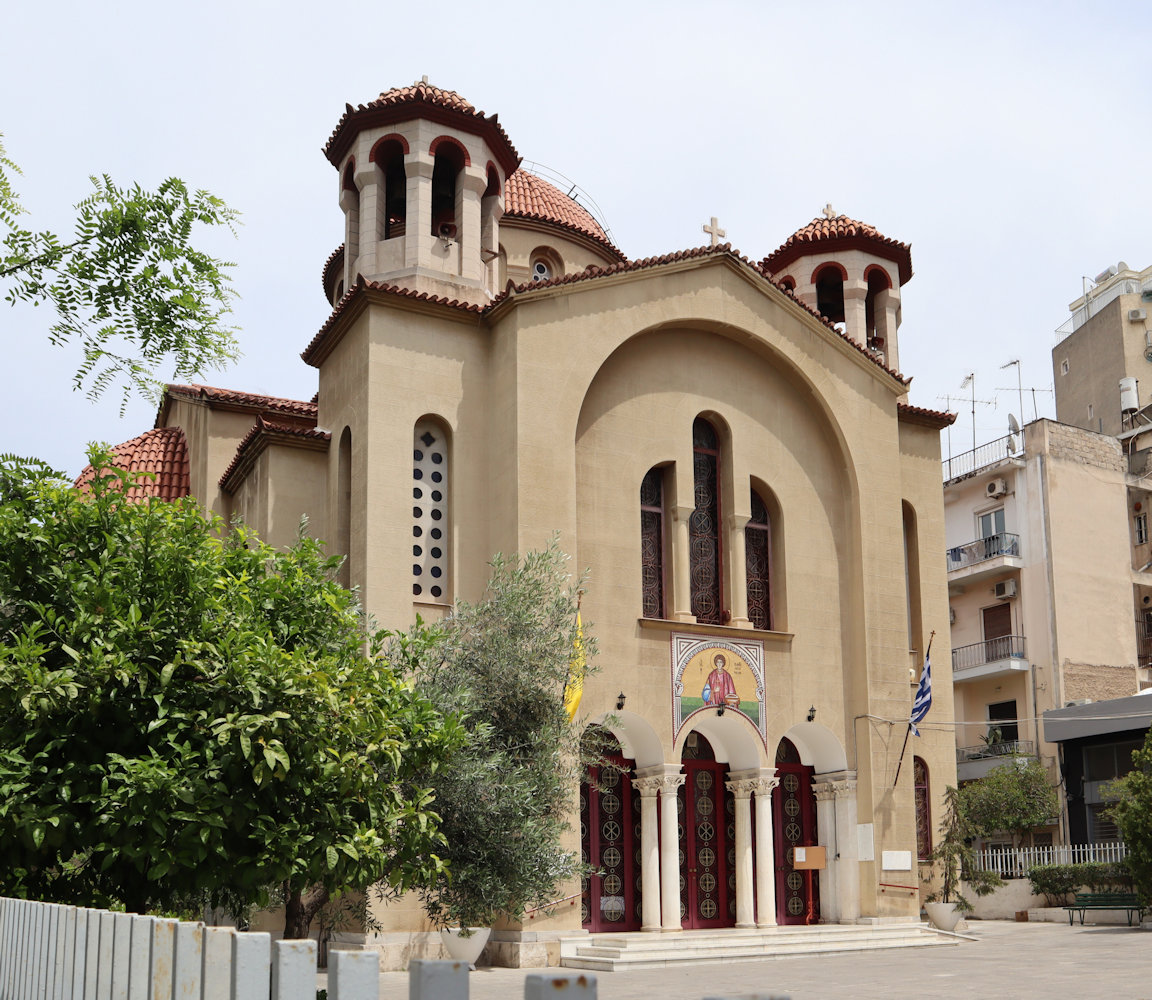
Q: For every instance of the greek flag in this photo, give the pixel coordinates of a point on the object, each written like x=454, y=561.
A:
x=923, y=700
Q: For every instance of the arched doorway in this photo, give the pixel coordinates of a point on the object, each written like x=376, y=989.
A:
x=794, y=819
x=610, y=841
x=706, y=813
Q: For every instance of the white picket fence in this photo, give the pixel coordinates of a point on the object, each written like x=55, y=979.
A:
x=50, y=951
x=1015, y=862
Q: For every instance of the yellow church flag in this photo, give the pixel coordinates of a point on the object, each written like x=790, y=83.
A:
x=574, y=689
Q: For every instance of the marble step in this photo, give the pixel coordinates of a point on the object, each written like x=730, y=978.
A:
x=607, y=953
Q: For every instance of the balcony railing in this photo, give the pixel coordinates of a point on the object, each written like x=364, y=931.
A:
x=989, y=651
x=1003, y=543
x=1004, y=748
x=992, y=453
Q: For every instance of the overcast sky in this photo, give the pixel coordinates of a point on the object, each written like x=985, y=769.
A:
x=1008, y=143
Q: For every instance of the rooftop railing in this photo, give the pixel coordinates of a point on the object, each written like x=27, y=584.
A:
x=992, y=453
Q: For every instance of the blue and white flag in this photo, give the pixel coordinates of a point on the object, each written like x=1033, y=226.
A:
x=923, y=700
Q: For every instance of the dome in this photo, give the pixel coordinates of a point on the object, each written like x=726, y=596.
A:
x=528, y=196
x=824, y=235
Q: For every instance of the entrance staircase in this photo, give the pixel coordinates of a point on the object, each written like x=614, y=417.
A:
x=637, y=950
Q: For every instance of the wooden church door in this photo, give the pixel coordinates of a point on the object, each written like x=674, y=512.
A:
x=794, y=822
x=706, y=811
x=610, y=843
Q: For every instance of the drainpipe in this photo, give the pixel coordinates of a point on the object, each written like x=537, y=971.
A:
x=1046, y=535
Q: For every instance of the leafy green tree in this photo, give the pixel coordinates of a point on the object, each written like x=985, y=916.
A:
x=1015, y=798
x=954, y=860
x=189, y=718
x=505, y=796
x=1132, y=813
x=129, y=287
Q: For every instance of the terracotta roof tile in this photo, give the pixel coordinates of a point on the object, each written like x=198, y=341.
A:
x=311, y=352
x=527, y=196
x=263, y=433
x=840, y=231
x=333, y=267
x=161, y=453
x=921, y=415
x=421, y=100
x=253, y=400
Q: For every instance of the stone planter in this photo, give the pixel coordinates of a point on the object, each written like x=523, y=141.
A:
x=943, y=916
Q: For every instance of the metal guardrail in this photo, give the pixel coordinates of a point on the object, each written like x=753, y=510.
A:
x=1003, y=543
x=992, y=453
x=1005, y=748
x=989, y=651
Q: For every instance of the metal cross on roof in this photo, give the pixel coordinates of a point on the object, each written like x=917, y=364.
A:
x=829, y=212
x=714, y=231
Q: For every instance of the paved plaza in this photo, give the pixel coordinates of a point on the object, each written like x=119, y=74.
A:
x=1008, y=961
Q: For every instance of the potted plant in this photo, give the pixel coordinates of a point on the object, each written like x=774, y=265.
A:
x=955, y=862
x=503, y=801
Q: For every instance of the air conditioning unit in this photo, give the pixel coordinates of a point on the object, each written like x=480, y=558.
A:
x=996, y=488
x=951, y=616
x=1136, y=315
x=1004, y=589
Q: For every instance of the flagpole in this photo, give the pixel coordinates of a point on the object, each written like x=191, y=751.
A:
x=908, y=731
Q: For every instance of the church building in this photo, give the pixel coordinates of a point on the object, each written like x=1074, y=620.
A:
x=723, y=441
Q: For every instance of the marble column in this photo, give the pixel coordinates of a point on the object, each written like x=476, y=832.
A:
x=847, y=857
x=826, y=824
x=742, y=789
x=649, y=787
x=765, y=849
x=670, y=851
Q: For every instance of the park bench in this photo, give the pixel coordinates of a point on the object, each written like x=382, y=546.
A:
x=1126, y=901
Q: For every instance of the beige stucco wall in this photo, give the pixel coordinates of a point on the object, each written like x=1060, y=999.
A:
x=213, y=435
x=285, y=484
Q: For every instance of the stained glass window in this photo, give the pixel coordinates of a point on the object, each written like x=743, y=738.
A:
x=652, y=542
x=923, y=811
x=704, y=564
x=758, y=555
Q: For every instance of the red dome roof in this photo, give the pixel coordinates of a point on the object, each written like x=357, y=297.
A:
x=844, y=233
x=528, y=196
x=163, y=452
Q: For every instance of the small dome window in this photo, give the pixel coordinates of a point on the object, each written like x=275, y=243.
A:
x=545, y=264
x=541, y=271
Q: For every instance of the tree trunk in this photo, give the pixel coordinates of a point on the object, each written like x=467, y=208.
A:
x=300, y=908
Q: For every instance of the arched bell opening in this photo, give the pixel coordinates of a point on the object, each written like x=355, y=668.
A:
x=829, y=282
x=392, y=179
x=446, y=170
x=878, y=281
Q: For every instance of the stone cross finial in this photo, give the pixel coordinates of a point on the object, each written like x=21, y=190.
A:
x=714, y=231
x=829, y=212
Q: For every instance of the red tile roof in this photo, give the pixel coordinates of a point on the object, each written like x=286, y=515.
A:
x=527, y=196
x=840, y=233
x=263, y=433
x=162, y=454
x=313, y=354
x=939, y=419
x=245, y=400
x=420, y=100
x=333, y=269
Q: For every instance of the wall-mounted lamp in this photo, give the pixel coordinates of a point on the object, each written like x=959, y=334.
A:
x=812, y=713
x=620, y=702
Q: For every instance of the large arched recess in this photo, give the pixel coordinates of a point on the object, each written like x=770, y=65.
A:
x=637, y=412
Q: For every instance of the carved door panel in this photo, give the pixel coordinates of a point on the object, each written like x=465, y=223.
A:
x=707, y=863
x=610, y=842
x=794, y=821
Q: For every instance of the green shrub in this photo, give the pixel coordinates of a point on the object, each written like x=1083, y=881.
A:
x=1056, y=883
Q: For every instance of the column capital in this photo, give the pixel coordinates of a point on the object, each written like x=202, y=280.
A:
x=822, y=790
x=742, y=788
x=648, y=786
x=765, y=785
x=670, y=783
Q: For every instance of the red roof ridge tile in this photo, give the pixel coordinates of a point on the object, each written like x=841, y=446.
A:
x=922, y=415
x=840, y=229
x=254, y=399
x=266, y=428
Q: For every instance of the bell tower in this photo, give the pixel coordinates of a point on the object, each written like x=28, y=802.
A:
x=851, y=274
x=422, y=178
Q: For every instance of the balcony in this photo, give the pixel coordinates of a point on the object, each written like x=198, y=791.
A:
x=976, y=762
x=984, y=557
x=991, y=658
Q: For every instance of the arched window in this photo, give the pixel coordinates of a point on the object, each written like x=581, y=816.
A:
x=758, y=557
x=430, y=513
x=445, y=171
x=704, y=563
x=344, y=504
x=393, y=205
x=923, y=809
x=545, y=264
x=350, y=202
x=829, y=281
x=652, y=542
x=878, y=282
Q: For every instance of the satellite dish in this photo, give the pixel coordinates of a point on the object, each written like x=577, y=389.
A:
x=1011, y=444
x=1013, y=427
